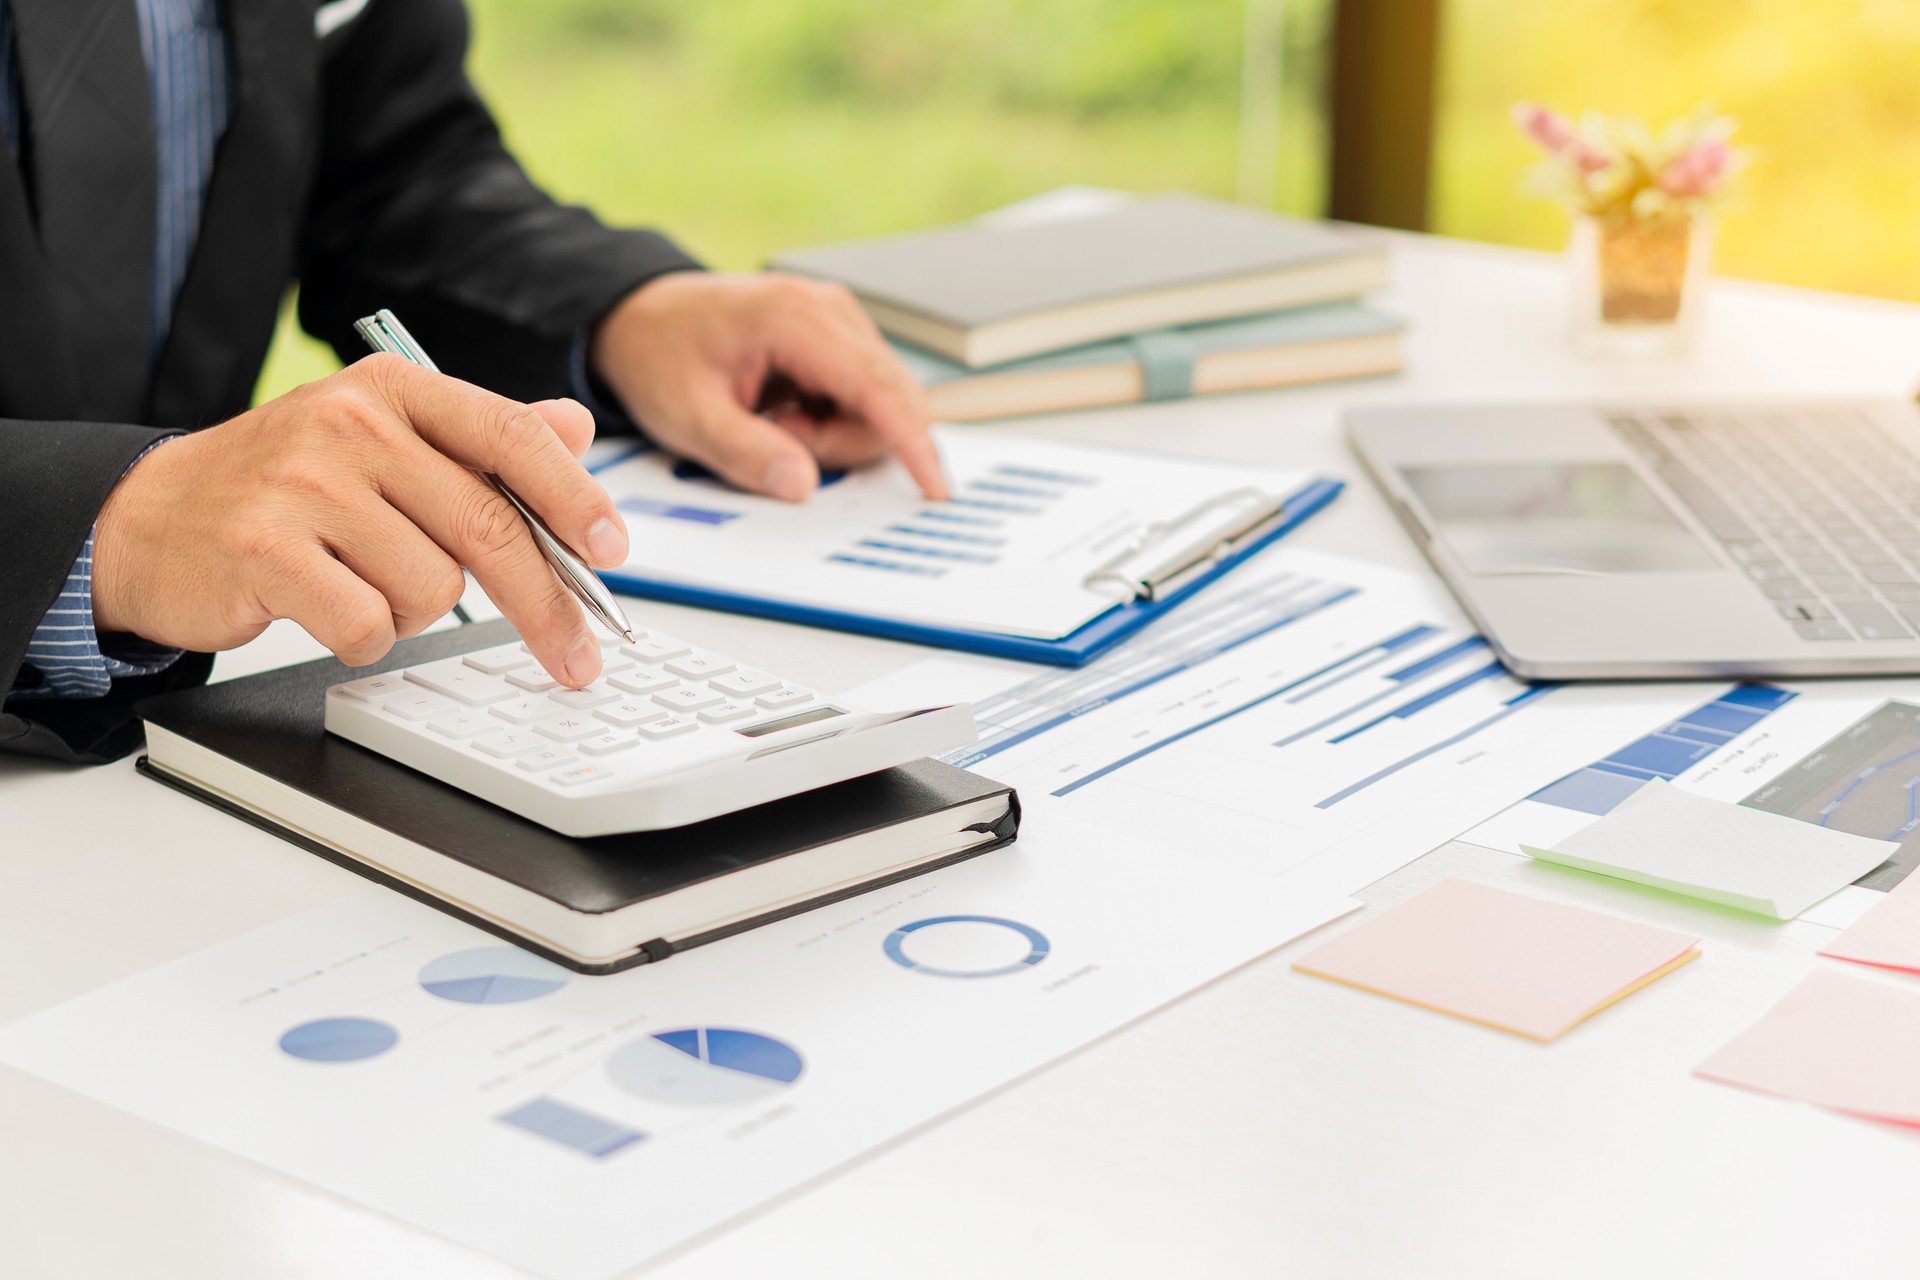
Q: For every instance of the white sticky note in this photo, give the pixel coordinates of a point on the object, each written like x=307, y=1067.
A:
x=1727, y=853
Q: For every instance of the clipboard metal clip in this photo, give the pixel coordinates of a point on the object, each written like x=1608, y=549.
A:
x=1166, y=555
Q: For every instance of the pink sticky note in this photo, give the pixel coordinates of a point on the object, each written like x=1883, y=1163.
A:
x=1513, y=962
x=1841, y=1041
x=1889, y=934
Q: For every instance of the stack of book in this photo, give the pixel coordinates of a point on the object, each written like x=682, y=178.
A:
x=1126, y=300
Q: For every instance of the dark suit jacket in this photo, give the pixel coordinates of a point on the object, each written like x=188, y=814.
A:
x=365, y=167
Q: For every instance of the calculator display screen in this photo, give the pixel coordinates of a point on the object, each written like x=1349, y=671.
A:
x=798, y=718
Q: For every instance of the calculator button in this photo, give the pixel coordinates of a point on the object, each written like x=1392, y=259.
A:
x=608, y=640
x=498, y=660
x=629, y=712
x=463, y=724
x=787, y=695
x=744, y=683
x=656, y=648
x=700, y=665
x=534, y=681
x=457, y=680
x=584, y=773
x=643, y=680
x=591, y=696
x=546, y=758
x=727, y=711
x=507, y=743
x=688, y=697
x=607, y=743
x=569, y=728
x=522, y=710
x=373, y=688
x=667, y=726
x=422, y=705
x=611, y=661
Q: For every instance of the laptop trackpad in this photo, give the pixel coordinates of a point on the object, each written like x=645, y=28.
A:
x=1577, y=518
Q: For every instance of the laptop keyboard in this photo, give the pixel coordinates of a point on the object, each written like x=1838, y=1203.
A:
x=1818, y=507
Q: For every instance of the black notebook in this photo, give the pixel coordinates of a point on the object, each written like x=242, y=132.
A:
x=256, y=747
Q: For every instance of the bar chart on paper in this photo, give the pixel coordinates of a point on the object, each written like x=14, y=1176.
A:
x=1331, y=705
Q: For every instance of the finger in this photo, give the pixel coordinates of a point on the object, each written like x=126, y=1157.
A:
x=481, y=530
x=867, y=382
x=570, y=420
x=516, y=443
x=419, y=581
x=837, y=443
x=337, y=608
x=746, y=449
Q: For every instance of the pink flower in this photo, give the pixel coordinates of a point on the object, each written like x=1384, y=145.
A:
x=1697, y=172
x=1553, y=131
x=1555, y=135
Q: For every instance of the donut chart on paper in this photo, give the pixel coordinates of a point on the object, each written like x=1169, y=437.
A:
x=966, y=946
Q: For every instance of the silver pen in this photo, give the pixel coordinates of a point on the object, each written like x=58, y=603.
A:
x=383, y=332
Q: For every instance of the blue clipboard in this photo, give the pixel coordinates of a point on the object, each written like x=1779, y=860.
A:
x=1072, y=650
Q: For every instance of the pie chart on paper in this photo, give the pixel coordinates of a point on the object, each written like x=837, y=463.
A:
x=492, y=975
x=339, y=1040
x=705, y=1066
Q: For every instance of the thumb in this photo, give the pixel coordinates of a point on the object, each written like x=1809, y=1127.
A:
x=754, y=454
x=570, y=421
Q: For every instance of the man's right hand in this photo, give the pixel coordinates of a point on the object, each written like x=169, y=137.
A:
x=349, y=506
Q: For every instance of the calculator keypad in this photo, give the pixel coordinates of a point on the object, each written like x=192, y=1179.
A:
x=657, y=699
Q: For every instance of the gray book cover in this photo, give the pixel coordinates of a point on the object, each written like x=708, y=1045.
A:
x=973, y=275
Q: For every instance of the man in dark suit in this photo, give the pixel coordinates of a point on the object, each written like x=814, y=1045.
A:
x=170, y=167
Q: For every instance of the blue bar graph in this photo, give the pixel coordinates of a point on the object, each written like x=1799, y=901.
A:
x=1453, y=653
x=1434, y=661
x=572, y=1127
x=955, y=517
x=948, y=535
x=1665, y=753
x=1042, y=474
x=1181, y=642
x=892, y=566
x=675, y=511
x=1015, y=490
x=1412, y=635
x=937, y=553
x=1508, y=708
x=1208, y=723
x=1492, y=670
x=989, y=504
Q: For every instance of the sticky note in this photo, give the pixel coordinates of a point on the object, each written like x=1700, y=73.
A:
x=1841, y=1041
x=1888, y=935
x=1727, y=853
x=1513, y=962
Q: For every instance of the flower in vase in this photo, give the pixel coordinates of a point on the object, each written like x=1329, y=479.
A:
x=1618, y=167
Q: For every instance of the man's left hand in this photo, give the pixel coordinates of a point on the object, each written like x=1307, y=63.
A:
x=765, y=379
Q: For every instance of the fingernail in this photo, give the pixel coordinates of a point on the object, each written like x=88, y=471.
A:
x=607, y=544
x=790, y=479
x=583, y=664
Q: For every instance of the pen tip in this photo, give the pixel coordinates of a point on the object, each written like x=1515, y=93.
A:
x=629, y=636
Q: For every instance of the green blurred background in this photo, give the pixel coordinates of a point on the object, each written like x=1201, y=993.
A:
x=743, y=127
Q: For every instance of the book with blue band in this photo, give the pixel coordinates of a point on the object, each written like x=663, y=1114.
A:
x=1043, y=552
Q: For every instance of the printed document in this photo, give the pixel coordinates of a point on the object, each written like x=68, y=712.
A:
x=578, y=1126
x=1010, y=552
x=1841, y=755
x=1310, y=714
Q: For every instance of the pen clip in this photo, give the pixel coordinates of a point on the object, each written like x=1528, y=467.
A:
x=1167, y=555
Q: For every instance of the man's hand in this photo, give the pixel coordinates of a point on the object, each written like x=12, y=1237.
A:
x=765, y=379
x=348, y=506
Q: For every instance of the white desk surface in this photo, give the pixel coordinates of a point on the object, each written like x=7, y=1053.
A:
x=1270, y=1124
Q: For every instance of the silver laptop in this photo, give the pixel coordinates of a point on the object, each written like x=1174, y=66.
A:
x=1679, y=540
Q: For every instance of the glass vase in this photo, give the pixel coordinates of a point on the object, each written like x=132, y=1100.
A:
x=1638, y=283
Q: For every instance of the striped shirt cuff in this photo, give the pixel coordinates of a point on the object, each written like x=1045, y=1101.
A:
x=66, y=651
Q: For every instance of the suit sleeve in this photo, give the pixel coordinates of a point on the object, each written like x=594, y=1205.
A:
x=57, y=476
x=419, y=207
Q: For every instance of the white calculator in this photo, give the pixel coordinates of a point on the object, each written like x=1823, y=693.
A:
x=669, y=734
